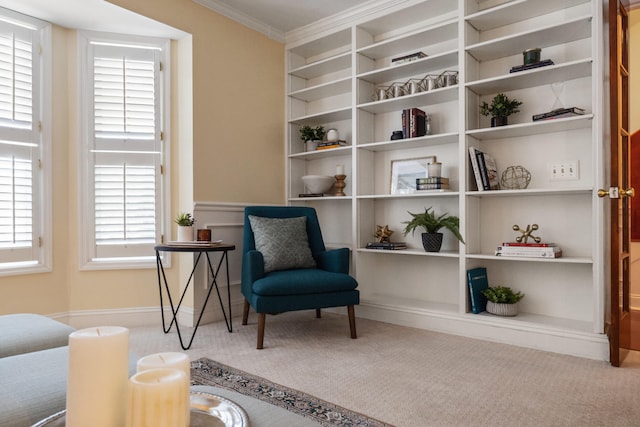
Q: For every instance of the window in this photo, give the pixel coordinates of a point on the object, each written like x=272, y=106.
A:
x=124, y=101
x=25, y=159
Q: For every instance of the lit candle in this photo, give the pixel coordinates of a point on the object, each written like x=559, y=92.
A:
x=173, y=360
x=340, y=170
x=157, y=398
x=97, y=379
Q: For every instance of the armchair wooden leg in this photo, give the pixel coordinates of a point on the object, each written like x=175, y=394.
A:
x=352, y=321
x=318, y=315
x=261, y=320
x=245, y=312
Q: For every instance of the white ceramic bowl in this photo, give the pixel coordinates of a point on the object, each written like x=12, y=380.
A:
x=318, y=184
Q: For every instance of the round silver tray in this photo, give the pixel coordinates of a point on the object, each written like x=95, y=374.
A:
x=207, y=410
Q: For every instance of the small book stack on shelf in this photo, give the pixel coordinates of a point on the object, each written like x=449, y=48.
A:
x=525, y=67
x=485, y=170
x=529, y=250
x=390, y=246
x=325, y=145
x=408, y=58
x=414, y=123
x=432, y=183
x=559, y=113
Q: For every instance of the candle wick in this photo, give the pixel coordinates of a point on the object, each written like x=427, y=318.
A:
x=98, y=332
x=162, y=358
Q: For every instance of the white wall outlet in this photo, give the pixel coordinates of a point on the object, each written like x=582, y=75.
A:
x=564, y=170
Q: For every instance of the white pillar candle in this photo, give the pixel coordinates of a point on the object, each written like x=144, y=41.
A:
x=157, y=398
x=173, y=360
x=97, y=379
x=340, y=170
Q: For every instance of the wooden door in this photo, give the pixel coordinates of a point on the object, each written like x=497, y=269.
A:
x=620, y=191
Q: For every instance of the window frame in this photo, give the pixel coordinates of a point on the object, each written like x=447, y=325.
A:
x=42, y=164
x=88, y=257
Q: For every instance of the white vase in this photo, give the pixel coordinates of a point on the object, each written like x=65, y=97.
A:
x=502, y=309
x=185, y=233
x=311, y=145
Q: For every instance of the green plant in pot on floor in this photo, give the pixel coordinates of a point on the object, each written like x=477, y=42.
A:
x=431, y=224
x=502, y=300
x=501, y=107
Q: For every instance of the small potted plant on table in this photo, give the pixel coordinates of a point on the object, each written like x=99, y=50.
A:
x=502, y=300
x=501, y=107
x=431, y=224
x=185, y=226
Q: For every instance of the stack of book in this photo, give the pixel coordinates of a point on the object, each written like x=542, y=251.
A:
x=389, y=246
x=325, y=145
x=529, y=250
x=485, y=170
x=408, y=58
x=559, y=113
x=432, y=183
x=538, y=64
x=414, y=123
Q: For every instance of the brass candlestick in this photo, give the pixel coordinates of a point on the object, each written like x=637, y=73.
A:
x=339, y=185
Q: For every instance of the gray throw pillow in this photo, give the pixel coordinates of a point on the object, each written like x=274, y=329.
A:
x=283, y=242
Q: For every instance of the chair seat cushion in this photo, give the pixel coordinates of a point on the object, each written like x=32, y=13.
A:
x=303, y=282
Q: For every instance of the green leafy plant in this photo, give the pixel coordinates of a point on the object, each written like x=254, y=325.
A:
x=184, y=219
x=501, y=106
x=430, y=223
x=308, y=133
x=502, y=295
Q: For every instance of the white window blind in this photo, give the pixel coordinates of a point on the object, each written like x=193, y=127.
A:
x=22, y=201
x=124, y=150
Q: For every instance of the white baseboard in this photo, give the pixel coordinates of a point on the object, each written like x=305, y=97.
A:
x=142, y=316
x=590, y=346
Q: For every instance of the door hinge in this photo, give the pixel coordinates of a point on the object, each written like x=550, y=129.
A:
x=39, y=242
x=161, y=169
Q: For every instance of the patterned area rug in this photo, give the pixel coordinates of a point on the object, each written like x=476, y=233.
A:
x=208, y=372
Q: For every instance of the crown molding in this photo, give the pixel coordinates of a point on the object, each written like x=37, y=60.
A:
x=339, y=21
x=243, y=18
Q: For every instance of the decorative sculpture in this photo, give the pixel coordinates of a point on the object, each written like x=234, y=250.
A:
x=383, y=234
x=526, y=234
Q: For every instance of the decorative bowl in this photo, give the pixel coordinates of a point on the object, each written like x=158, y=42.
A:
x=318, y=184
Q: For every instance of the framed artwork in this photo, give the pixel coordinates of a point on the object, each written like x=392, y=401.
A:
x=404, y=173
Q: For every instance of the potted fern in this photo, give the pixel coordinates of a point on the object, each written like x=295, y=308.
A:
x=502, y=300
x=501, y=107
x=185, y=226
x=431, y=224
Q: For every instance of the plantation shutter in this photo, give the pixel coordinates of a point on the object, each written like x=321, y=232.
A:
x=126, y=150
x=19, y=143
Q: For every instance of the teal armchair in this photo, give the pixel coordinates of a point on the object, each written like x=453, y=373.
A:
x=282, y=272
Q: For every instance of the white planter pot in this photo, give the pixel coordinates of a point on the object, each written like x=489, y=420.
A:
x=185, y=234
x=502, y=309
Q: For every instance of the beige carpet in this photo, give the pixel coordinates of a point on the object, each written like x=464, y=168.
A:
x=413, y=377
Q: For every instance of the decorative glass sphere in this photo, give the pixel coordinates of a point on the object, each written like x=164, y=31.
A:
x=515, y=178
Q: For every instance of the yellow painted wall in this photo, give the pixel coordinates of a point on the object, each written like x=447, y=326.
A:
x=232, y=128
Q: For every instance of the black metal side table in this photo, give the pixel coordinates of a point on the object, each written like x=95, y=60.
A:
x=199, y=249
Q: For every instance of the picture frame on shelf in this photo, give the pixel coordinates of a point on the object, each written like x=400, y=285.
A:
x=405, y=171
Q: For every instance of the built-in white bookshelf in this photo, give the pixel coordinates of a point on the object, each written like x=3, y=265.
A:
x=333, y=80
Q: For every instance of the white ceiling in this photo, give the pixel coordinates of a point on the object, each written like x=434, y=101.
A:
x=274, y=18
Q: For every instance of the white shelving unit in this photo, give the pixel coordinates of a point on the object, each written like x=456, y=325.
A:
x=332, y=81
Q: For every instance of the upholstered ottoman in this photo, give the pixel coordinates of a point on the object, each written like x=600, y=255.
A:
x=24, y=333
x=34, y=386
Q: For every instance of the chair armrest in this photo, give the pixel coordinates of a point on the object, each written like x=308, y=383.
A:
x=335, y=260
x=252, y=268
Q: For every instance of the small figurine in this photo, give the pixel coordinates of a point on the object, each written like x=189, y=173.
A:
x=527, y=233
x=383, y=234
